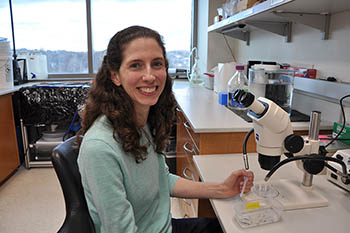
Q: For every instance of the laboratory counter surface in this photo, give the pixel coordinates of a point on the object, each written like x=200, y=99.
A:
x=4, y=91
x=332, y=218
x=204, y=113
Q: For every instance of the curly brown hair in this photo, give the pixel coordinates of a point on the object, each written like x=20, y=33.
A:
x=105, y=98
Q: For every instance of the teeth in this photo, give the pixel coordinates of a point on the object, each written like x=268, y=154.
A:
x=147, y=89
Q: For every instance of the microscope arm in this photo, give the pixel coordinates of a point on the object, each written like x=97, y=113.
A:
x=344, y=174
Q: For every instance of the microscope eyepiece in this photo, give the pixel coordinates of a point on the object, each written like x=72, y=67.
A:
x=244, y=98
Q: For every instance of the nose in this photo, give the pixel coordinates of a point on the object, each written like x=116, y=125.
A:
x=148, y=75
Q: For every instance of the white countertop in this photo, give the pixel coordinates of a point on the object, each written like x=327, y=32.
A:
x=4, y=91
x=204, y=113
x=334, y=218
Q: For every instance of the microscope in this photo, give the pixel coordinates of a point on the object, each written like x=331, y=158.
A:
x=274, y=137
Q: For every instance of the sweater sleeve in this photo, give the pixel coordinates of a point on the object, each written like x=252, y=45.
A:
x=102, y=179
x=171, y=178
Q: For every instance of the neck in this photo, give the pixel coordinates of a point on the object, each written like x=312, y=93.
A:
x=142, y=116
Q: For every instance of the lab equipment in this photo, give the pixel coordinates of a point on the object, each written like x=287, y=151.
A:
x=195, y=76
x=47, y=113
x=6, y=74
x=265, y=190
x=238, y=81
x=274, y=137
x=244, y=184
x=273, y=83
x=222, y=98
x=333, y=174
x=257, y=212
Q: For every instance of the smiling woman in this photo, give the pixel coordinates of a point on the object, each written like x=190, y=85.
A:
x=74, y=33
x=126, y=125
x=142, y=74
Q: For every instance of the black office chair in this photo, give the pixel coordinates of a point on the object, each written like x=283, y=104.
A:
x=64, y=160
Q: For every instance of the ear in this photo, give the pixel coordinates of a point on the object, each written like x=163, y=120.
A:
x=115, y=78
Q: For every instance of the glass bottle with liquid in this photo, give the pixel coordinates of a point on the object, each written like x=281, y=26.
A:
x=238, y=81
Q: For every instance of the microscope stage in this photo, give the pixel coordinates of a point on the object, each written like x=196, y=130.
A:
x=292, y=195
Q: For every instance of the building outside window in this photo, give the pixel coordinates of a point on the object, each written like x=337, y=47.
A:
x=67, y=31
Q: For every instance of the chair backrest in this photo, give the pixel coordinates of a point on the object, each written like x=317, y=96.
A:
x=64, y=160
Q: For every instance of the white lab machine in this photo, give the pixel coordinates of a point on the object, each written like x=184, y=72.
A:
x=334, y=176
x=274, y=137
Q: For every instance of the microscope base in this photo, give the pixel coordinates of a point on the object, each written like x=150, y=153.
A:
x=292, y=195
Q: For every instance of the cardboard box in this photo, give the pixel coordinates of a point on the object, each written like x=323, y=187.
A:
x=245, y=4
x=303, y=72
x=345, y=134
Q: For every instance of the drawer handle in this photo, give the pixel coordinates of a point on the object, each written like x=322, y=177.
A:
x=184, y=172
x=186, y=125
x=187, y=149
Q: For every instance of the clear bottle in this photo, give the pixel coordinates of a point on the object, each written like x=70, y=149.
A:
x=238, y=81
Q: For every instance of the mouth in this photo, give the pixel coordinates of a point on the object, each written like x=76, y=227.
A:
x=148, y=90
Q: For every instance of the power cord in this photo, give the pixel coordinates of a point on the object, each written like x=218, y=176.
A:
x=344, y=120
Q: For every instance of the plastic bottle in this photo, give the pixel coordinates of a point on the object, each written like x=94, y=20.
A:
x=238, y=81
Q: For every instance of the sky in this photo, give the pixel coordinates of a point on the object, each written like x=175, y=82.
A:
x=61, y=24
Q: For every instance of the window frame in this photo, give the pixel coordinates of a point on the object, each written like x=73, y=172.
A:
x=91, y=74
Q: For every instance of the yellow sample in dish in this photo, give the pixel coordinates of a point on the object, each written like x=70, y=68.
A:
x=257, y=212
x=252, y=205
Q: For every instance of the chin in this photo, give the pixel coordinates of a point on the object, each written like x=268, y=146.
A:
x=149, y=103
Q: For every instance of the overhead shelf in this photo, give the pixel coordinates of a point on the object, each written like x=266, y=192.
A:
x=276, y=16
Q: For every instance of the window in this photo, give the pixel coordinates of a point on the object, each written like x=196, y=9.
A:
x=59, y=29
x=5, y=20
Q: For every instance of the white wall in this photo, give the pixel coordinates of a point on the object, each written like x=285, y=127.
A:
x=212, y=48
x=330, y=57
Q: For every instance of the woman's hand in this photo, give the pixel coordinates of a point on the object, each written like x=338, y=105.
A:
x=234, y=183
x=231, y=186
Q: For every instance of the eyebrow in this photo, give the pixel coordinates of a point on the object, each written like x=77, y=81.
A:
x=140, y=60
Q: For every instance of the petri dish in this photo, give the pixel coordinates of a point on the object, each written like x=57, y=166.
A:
x=257, y=212
x=265, y=190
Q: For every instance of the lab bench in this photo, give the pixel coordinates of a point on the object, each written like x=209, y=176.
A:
x=205, y=127
x=331, y=218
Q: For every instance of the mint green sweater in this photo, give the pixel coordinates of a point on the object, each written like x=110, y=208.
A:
x=124, y=196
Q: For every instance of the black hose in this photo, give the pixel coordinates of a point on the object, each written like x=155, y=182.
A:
x=331, y=168
x=302, y=157
x=245, y=156
x=246, y=140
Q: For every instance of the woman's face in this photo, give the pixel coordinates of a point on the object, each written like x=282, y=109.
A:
x=142, y=72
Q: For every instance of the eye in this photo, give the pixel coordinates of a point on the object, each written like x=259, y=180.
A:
x=158, y=64
x=135, y=65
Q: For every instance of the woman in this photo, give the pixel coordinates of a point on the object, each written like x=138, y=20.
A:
x=126, y=124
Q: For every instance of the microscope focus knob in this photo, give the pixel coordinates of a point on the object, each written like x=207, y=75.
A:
x=313, y=166
x=294, y=143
